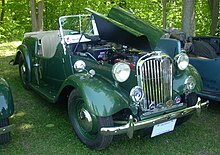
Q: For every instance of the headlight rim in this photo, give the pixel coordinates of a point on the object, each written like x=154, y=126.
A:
x=116, y=67
x=179, y=62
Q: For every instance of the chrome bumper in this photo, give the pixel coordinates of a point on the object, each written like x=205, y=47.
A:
x=131, y=126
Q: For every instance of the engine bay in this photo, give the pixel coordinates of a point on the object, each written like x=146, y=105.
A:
x=107, y=52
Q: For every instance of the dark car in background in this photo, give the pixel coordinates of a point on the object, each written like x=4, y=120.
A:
x=106, y=68
x=204, y=54
x=6, y=110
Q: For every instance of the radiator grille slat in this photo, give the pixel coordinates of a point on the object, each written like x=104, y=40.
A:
x=156, y=80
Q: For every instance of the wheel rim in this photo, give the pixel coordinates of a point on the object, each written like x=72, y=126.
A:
x=23, y=70
x=85, y=120
x=85, y=123
x=23, y=73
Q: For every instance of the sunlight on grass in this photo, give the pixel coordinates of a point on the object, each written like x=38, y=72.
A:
x=9, y=48
x=26, y=126
x=19, y=114
x=50, y=125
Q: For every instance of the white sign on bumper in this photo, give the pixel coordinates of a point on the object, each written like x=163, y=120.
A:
x=163, y=128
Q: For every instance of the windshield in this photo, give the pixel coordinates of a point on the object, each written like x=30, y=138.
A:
x=77, y=25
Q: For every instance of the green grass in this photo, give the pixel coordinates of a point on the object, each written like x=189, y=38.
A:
x=44, y=128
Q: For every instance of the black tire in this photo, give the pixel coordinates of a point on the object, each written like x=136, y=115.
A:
x=87, y=126
x=191, y=100
x=6, y=136
x=23, y=73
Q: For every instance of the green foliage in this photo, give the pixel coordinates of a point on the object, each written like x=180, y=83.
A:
x=174, y=14
x=203, y=18
x=17, y=19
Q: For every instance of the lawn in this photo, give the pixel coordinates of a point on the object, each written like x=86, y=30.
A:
x=43, y=128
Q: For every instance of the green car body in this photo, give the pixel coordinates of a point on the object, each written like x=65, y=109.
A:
x=110, y=73
x=6, y=110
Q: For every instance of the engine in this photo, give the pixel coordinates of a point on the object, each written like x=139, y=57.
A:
x=109, y=52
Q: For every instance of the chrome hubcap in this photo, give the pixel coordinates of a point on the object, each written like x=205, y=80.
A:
x=23, y=69
x=85, y=120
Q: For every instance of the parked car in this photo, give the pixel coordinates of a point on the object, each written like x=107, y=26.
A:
x=204, y=54
x=6, y=110
x=106, y=69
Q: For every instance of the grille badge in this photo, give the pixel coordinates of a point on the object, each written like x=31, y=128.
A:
x=178, y=99
x=169, y=103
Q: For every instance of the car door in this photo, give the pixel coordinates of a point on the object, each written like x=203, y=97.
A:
x=209, y=71
x=51, y=61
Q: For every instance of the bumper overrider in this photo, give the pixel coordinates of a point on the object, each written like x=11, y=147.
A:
x=6, y=129
x=132, y=126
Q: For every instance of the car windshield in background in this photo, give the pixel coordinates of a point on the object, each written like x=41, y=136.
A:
x=78, y=24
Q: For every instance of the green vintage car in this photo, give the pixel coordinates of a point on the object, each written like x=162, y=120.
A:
x=115, y=72
x=6, y=110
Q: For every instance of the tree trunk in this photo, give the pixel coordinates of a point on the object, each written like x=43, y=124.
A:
x=214, y=8
x=37, y=16
x=40, y=15
x=33, y=15
x=164, y=13
x=188, y=17
x=3, y=12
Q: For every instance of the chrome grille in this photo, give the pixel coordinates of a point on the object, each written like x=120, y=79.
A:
x=154, y=74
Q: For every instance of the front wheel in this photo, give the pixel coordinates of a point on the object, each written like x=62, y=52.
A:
x=86, y=125
x=6, y=136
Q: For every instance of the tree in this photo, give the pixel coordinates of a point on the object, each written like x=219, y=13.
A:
x=214, y=8
x=37, y=15
x=15, y=15
x=2, y=12
x=164, y=13
x=188, y=17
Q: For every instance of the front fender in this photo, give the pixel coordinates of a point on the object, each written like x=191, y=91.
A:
x=23, y=51
x=101, y=97
x=180, y=77
x=6, y=100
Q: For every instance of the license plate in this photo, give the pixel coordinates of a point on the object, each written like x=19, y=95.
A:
x=163, y=128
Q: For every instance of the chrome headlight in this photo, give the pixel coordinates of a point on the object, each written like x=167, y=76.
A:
x=190, y=83
x=136, y=94
x=121, y=71
x=182, y=61
x=79, y=65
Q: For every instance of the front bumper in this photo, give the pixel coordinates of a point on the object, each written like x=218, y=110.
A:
x=132, y=126
x=6, y=129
